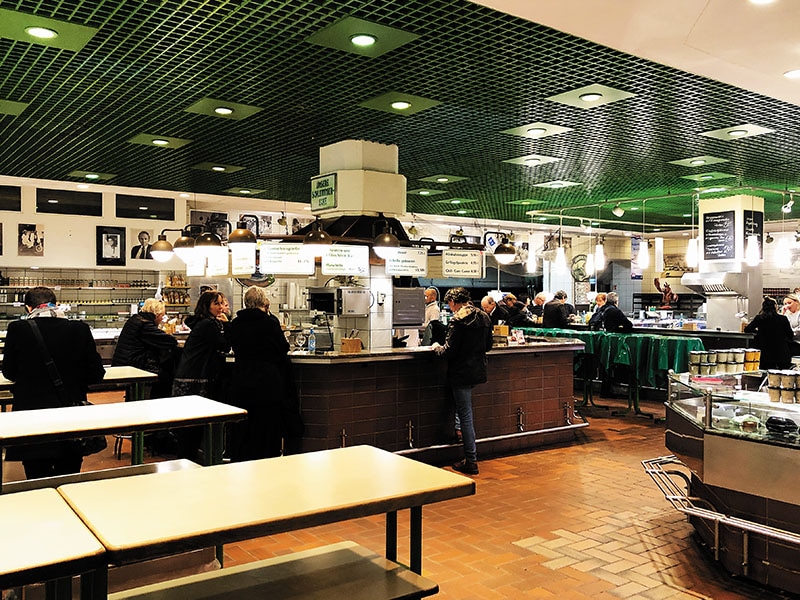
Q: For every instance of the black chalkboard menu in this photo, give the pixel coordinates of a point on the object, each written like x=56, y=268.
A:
x=754, y=225
x=719, y=235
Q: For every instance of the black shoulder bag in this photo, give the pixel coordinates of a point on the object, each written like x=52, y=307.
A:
x=89, y=445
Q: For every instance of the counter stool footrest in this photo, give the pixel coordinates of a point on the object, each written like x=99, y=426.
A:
x=343, y=571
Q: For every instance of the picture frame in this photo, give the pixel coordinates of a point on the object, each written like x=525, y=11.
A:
x=110, y=246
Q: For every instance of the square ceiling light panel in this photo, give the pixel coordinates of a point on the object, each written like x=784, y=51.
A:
x=532, y=160
x=424, y=192
x=537, y=130
x=400, y=104
x=358, y=36
x=159, y=141
x=456, y=201
x=461, y=211
x=223, y=109
x=24, y=27
x=442, y=178
x=737, y=132
x=91, y=175
x=217, y=167
x=709, y=176
x=698, y=161
x=591, y=96
x=8, y=107
x=525, y=202
x=243, y=191
x=556, y=184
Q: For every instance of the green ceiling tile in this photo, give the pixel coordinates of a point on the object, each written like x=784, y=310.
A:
x=8, y=107
x=71, y=36
x=208, y=106
x=339, y=34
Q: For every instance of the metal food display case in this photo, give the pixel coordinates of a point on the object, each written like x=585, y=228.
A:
x=734, y=473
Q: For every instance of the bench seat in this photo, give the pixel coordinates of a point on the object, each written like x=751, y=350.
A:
x=343, y=571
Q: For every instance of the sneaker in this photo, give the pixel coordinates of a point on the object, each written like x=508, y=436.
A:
x=466, y=467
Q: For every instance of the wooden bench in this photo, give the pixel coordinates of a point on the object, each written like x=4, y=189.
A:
x=344, y=571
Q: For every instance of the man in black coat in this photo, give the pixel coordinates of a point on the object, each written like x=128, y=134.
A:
x=469, y=338
x=72, y=348
x=497, y=312
x=554, y=313
x=614, y=320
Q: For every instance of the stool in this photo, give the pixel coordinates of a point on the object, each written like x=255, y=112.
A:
x=118, y=439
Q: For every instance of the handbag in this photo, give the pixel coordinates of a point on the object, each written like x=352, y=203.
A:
x=88, y=445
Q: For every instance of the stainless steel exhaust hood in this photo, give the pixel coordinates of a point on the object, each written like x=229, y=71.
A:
x=717, y=284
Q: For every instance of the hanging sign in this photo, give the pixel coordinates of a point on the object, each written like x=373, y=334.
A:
x=408, y=261
x=217, y=262
x=323, y=192
x=719, y=239
x=196, y=265
x=243, y=259
x=285, y=259
x=345, y=260
x=462, y=263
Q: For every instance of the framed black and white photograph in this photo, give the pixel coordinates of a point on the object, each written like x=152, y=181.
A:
x=31, y=239
x=110, y=245
x=141, y=243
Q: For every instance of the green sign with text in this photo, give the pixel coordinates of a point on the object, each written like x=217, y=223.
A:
x=323, y=192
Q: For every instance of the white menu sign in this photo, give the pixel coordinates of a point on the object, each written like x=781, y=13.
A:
x=285, y=259
x=345, y=260
x=462, y=263
x=408, y=261
x=217, y=261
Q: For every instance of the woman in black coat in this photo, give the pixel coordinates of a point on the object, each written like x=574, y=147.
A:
x=202, y=364
x=262, y=382
x=143, y=345
x=773, y=336
x=72, y=349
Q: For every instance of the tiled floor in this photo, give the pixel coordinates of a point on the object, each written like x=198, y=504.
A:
x=569, y=522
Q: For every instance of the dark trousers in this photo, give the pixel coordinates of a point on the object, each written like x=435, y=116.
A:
x=49, y=467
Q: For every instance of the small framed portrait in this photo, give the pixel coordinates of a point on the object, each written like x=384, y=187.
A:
x=110, y=246
x=141, y=244
x=30, y=239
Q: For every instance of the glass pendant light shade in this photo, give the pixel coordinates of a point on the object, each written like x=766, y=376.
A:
x=162, y=250
x=751, y=253
x=590, y=264
x=599, y=257
x=385, y=244
x=184, y=248
x=560, y=265
x=643, y=258
x=692, y=254
x=505, y=252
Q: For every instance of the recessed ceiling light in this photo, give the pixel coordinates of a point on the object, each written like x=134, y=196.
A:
x=462, y=212
x=245, y=192
x=543, y=218
x=160, y=142
x=217, y=168
x=142, y=208
x=92, y=176
x=223, y=110
x=793, y=74
x=685, y=215
x=401, y=105
x=456, y=201
x=633, y=208
x=697, y=161
x=442, y=179
x=424, y=193
x=533, y=161
x=737, y=132
x=52, y=201
x=706, y=177
x=537, y=130
x=42, y=33
x=363, y=40
x=590, y=97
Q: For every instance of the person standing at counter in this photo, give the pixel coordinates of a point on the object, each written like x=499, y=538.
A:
x=791, y=310
x=497, y=312
x=469, y=338
x=143, y=345
x=596, y=320
x=201, y=366
x=259, y=382
x=614, y=320
x=554, y=313
x=73, y=351
x=773, y=336
x=432, y=312
x=539, y=300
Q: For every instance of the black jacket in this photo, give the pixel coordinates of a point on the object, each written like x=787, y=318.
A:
x=555, y=315
x=615, y=321
x=500, y=313
x=469, y=338
x=203, y=356
x=773, y=335
x=142, y=344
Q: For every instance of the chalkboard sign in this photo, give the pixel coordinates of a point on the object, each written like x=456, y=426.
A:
x=754, y=225
x=719, y=239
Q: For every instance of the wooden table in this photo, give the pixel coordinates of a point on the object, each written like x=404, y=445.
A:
x=52, y=424
x=148, y=516
x=131, y=378
x=44, y=540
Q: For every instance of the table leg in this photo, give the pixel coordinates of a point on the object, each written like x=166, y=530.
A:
x=416, y=539
x=214, y=443
x=391, y=536
x=58, y=589
x=94, y=585
x=137, y=448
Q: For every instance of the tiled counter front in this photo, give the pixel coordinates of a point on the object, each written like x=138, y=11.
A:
x=399, y=401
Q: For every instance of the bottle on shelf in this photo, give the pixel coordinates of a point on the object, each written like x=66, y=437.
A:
x=312, y=341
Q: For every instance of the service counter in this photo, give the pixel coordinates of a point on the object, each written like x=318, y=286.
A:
x=398, y=400
x=733, y=472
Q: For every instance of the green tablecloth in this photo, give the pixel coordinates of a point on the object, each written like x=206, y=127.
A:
x=648, y=356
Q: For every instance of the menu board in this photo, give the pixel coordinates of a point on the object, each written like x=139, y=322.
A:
x=285, y=259
x=719, y=235
x=462, y=263
x=340, y=259
x=408, y=261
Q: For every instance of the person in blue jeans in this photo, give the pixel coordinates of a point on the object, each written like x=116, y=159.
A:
x=468, y=339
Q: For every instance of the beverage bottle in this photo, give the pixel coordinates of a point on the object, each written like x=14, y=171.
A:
x=312, y=341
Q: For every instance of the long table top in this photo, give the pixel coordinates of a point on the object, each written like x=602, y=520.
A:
x=43, y=539
x=47, y=424
x=114, y=376
x=154, y=515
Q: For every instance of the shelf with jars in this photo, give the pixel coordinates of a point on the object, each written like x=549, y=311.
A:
x=175, y=291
